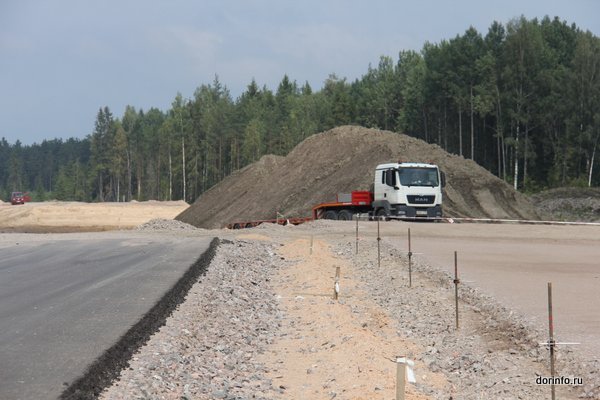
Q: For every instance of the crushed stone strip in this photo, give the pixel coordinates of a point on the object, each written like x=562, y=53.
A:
x=207, y=348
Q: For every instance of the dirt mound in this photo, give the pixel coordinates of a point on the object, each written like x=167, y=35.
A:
x=569, y=204
x=341, y=160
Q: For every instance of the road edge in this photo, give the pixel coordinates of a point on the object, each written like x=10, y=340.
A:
x=106, y=368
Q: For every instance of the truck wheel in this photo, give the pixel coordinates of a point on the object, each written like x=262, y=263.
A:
x=236, y=226
x=248, y=225
x=331, y=214
x=345, y=215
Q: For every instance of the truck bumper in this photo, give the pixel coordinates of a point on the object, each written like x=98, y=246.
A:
x=418, y=212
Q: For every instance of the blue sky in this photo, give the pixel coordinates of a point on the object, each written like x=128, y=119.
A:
x=61, y=60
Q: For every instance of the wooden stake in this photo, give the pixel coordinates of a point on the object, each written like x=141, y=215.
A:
x=409, y=261
x=551, y=341
x=311, y=244
x=400, y=380
x=357, y=217
x=456, y=282
x=378, y=245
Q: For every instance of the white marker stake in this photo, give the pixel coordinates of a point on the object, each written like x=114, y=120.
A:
x=336, y=285
x=404, y=372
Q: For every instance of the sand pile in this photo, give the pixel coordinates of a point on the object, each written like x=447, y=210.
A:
x=71, y=216
x=341, y=160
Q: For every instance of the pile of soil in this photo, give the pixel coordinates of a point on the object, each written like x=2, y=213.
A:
x=339, y=161
x=569, y=204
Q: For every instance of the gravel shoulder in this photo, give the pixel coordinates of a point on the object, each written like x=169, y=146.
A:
x=261, y=323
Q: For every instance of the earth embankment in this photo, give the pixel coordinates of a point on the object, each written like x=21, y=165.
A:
x=569, y=204
x=341, y=160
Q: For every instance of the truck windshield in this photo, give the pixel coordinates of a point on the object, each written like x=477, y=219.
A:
x=414, y=176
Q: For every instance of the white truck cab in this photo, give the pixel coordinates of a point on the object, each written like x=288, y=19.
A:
x=408, y=190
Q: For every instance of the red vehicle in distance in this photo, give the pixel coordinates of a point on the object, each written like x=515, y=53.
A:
x=19, y=198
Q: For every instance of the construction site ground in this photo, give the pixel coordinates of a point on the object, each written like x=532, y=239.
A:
x=307, y=345
x=261, y=323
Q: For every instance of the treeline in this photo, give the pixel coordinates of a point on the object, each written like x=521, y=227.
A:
x=523, y=101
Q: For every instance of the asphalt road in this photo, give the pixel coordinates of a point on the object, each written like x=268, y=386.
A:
x=64, y=299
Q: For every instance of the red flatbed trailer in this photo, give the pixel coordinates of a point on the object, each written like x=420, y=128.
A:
x=279, y=221
x=344, y=208
x=347, y=204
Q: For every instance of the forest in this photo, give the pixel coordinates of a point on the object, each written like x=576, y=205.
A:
x=522, y=100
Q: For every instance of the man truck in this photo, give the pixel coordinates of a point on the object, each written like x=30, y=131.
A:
x=400, y=191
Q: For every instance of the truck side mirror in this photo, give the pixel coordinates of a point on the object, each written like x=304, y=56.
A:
x=389, y=177
x=393, y=181
x=443, y=175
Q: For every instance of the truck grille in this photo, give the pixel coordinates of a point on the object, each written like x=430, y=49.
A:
x=412, y=199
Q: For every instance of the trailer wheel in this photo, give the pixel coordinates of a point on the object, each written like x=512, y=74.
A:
x=331, y=214
x=382, y=214
x=345, y=215
x=248, y=225
x=236, y=226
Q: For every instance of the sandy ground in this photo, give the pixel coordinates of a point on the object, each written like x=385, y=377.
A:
x=514, y=264
x=57, y=216
x=331, y=348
